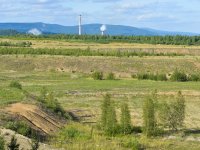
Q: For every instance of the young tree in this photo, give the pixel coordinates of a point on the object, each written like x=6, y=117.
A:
x=149, y=122
x=104, y=109
x=125, y=119
x=111, y=125
x=180, y=109
x=108, y=116
x=172, y=114
x=13, y=145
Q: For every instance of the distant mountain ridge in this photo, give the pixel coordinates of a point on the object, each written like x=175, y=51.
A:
x=93, y=29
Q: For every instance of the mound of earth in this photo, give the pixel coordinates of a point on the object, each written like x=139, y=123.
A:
x=25, y=143
x=36, y=117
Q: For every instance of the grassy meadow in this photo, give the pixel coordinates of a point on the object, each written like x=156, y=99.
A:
x=69, y=78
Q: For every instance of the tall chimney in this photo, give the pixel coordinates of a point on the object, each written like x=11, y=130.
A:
x=80, y=24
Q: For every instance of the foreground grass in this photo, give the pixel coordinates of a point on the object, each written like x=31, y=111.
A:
x=78, y=136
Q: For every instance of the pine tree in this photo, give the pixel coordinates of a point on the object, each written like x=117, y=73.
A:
x=149, y=122
x=104, y=108
x=111, y=125
x=13, y=145
x=125, y=119
x=108, y=116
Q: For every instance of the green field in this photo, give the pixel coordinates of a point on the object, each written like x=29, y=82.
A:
x=69, y=78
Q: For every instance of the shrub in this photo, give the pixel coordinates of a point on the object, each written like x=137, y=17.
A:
x=20, y=127
x=151, y=76
x=15, y=84
x=97, y=75
x=194, y=77
x=179, y=76
x=110, y=76
x=2, y=143
x=48, y=101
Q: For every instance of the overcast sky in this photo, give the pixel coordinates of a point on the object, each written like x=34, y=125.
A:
x=172, y=15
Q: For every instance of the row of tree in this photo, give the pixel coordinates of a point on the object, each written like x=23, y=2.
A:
x=157, y=116
x=169, y=40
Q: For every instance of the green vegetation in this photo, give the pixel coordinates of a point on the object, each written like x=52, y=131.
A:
x=149, y=121
x=110, y=76
x=97, y=75
x=125, y=119
x=108, y=117
x=19, y=44
x=2, y=143
x=168, y=40
x=179, y=76
x=172, y=115
x=20, y=127
x=15, y=84
x=70, y=88
x=79, y=52
x=49, y=102
x=150, y=76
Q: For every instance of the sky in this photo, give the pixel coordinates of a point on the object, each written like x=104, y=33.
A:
x=169, y=15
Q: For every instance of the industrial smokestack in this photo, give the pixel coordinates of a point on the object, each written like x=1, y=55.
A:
x=103, y=29
x=80, y=24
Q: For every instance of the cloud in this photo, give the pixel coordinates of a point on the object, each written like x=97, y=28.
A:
x=168, y=14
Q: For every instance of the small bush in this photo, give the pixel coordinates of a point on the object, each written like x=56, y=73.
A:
x=179, y=76
x=20, y=127
x=15, y=84
x=2, y=143
x=110, y=76
x=97, y=75
x=151, y=76
x=194, y=77
x=50, y=102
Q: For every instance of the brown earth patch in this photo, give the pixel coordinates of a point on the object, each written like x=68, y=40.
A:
x=35, y=116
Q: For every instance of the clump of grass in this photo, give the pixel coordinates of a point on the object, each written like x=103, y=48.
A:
x=97, y=75
x=15, y=84
x=132, y=143
x=151, y=76
x=110, y=76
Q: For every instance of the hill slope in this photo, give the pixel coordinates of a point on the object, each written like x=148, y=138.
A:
x=87, y=29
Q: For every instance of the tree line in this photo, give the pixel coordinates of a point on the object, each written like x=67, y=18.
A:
x=168, y=40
